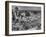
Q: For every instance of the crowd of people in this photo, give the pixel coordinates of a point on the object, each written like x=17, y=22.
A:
x=24, y=20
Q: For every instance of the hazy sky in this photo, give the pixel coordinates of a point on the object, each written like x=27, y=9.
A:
x=28, y=8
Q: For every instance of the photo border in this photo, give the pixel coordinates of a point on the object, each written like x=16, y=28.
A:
x=7, y=17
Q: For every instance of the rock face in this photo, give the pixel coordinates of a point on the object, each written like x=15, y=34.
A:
x=26, y=19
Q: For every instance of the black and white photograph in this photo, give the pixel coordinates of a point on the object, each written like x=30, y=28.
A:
x=26, y=18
